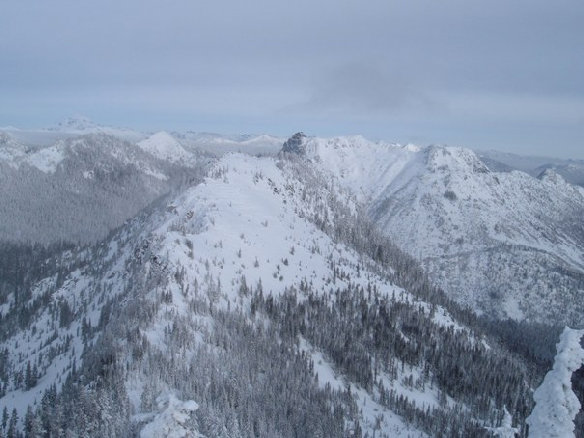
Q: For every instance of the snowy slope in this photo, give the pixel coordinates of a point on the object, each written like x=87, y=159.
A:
x=247, y=223
x=505, y=243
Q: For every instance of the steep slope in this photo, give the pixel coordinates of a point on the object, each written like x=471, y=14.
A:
x=504, y=243
x=259, y=302
x=80, y=188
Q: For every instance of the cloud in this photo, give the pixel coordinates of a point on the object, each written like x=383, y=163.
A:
x=439, y=68
x=366, y=86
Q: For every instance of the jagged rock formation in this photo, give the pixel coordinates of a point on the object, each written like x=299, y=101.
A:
x=295, y=144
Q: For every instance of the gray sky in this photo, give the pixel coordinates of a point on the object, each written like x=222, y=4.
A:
x=502, y=74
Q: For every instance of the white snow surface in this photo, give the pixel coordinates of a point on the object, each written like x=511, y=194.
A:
x=556, y=405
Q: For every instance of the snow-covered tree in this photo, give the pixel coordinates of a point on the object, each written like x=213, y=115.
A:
x=172, y=420
x=556, y=405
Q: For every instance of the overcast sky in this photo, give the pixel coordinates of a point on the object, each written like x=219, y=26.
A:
x=501, y=74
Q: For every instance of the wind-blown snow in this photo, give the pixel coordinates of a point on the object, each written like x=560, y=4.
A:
x=556, y=405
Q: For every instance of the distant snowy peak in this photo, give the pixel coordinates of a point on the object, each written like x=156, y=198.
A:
x=571, y=170
x=78, y=125
x=217, y=144
x=75, y=123
x=164, y=146
x=454, y=158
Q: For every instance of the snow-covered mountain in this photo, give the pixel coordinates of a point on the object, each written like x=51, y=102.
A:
x=274, y=296
x=505, y=243
x=80, y=188
x=79, y=180
x=260, y=302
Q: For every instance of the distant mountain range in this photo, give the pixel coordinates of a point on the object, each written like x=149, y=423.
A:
x=571, y=170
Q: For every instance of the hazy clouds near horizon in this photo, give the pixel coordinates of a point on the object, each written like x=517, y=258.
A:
x=499, y=74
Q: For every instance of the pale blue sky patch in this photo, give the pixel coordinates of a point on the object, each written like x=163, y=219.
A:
x=498, y=74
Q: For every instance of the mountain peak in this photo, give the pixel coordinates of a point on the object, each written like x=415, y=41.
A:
x=164, y=146
x=295, y=144
x=449, y=157
x=550, y=175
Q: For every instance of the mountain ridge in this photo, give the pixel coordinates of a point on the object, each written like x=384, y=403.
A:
x=257, y=237
x=442, y=203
